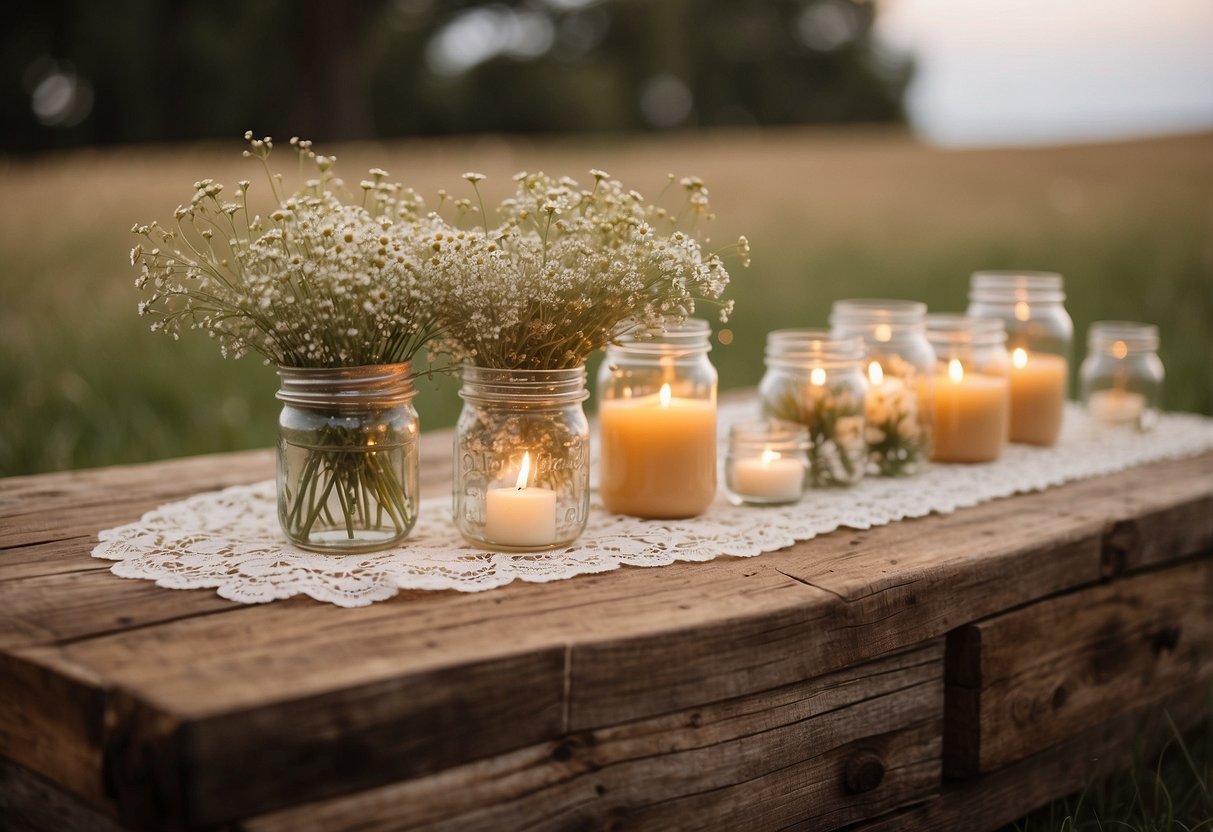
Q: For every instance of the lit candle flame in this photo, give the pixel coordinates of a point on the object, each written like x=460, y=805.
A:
x=1022, y=310
x=817, y=377
x=524, y=471
x=1019, y=357
x=1120, y=349
x=883, y=332
x=769, y=456
x=664, y=395
x=956, y=371
x=875, y=373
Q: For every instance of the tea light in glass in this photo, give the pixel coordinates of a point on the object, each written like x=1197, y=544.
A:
x=766, y=463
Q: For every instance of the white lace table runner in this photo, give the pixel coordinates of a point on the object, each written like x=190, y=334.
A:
x=230, y=540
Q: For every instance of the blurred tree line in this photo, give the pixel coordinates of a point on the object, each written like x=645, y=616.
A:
x=78, y=72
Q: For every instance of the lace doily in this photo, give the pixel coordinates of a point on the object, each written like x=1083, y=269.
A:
x=230, y=540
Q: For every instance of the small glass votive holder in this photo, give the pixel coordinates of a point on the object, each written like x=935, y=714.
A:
x=767, y=463
x=1122, y=375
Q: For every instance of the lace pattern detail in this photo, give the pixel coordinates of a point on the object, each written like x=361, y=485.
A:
x=229, y=539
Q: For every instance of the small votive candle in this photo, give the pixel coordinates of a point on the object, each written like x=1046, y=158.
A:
x=523, y=516
x=972, y=390
x=1122, y=375
x=767, y=463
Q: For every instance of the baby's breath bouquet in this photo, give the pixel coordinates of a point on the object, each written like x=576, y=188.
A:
x=323, y=287
x=568, y=269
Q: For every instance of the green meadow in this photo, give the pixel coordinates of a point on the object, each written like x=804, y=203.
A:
x=829, y=213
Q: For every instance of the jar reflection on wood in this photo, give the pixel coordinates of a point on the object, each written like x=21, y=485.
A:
x=972, y=388
x=1039, y=332
x=347, y=457
x=657, y=416
x=900, y=365
x=522, y=446
x=817, y=380
x=1122, y=375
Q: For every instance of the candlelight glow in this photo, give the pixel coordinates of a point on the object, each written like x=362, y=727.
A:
x=875, y=373
x=769, y=456
x=883, y=332
x=665, y=395
x=524, y=472
x=1022, y=312
x=817, y=377
x=1120, y=349
x=956, y=372
x=1019, y=357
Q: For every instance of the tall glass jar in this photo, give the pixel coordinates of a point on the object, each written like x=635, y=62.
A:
x=1122, y=375
x=522, y=454
x=972, y=388
x=900, y=365
x=657, y=416
x=818, y=381
x=1039, y=332
x=347, y=457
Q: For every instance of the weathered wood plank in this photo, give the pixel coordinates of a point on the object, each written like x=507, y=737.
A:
x=989, y=802
x=169, y=773
x=756, y=762
x=1022, y=681
x=30, y=803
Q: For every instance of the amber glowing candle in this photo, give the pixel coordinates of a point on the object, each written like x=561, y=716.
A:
x=972, y=411
x=658, y=455
x=1038, y=396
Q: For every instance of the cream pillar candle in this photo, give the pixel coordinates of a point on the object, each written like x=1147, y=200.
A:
x=658, y=455
x=1038, y=396
x=521, y=516
x=972, y=414
x=769, y=476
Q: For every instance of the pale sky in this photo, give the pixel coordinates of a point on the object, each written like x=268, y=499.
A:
x=998, y=72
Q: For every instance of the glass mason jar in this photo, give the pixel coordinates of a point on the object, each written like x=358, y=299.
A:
x=522, y=458
x=972, y=388
x=766, y=463
x=657, y=417
x=1122, y=375
x=900, y=365
x=1039, y=332
x=818, y=381
x=347, y=457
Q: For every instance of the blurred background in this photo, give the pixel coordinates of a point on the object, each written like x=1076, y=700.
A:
x=866, y=147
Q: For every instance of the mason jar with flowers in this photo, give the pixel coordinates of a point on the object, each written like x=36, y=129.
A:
x=524, y=299
x=327, y=288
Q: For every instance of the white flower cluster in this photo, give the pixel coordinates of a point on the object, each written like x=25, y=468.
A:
x=316, y=283
x=566, y=268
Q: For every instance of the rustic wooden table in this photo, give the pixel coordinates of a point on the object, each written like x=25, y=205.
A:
x=948, y=672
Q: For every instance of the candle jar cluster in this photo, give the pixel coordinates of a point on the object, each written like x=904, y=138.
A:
x=972, y=388
x=657, y=411
x=1122, y=376
x=900, y=365
x=1039, y=331
x=522, y=449
x=766, y=462
x=816, y=380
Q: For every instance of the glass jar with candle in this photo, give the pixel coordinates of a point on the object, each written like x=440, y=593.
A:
x=900, y=365
x=1039, y=332
x=972, y=388
x=1122, y=375
x=657, y=416
x=522, y=448
x=816, y=380
x=766, y=462
x=347, y=457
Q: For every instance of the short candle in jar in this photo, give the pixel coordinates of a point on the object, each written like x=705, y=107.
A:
x=1038, y=396
x=972, y=412
x=658, y=455
x=1116, y=406
x=770, y=477
x=521, y=516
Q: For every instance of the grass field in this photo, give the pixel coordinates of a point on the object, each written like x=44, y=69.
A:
x=829, y=214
